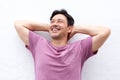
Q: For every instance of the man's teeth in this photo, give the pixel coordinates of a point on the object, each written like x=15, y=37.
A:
x=54, y=29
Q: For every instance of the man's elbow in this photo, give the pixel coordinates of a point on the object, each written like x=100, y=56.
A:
x=17, y=24
x=107, y=31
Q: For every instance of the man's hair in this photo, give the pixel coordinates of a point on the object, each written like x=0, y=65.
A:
x=70, y=20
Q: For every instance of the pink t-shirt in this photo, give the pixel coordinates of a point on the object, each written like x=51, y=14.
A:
x=58, y=63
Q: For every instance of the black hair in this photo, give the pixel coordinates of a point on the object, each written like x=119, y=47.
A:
x=70, y=19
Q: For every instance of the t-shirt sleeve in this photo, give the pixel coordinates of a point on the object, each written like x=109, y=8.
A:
x=86, y=45
x=33, y=40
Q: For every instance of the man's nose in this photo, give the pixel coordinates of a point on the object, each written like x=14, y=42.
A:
x=55, y=23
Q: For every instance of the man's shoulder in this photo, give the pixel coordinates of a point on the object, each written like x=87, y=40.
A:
x=80, y=41
x=36, y=35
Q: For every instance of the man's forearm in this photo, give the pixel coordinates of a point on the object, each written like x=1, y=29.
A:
x=91, y=30
x=33, y=26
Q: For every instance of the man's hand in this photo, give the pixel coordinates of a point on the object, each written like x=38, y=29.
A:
x=72, y=33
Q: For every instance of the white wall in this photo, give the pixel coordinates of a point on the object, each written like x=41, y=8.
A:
x=16, y=62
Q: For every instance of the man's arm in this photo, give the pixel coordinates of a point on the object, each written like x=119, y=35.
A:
x=23, y=27
x=99, y=34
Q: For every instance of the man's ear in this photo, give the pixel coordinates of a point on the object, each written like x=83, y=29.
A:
x=69, y=29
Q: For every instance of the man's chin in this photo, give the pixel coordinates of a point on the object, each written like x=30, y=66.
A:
x=54, y=36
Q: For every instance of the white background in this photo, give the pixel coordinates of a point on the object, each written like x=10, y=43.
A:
x=16, y=62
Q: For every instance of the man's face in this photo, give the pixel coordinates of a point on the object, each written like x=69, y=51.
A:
x=59, y=27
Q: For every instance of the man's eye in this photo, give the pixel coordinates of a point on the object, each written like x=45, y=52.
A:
x=52, y=21
x=60, y=21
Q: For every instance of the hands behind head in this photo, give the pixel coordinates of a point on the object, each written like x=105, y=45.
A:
x=72, y=33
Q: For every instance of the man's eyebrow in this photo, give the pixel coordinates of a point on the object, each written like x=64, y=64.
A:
x=60, y=19
x=56, y=19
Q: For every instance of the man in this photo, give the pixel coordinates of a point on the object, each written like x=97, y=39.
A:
x=57, y=59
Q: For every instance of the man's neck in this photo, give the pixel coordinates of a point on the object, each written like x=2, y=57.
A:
x=59, y=43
